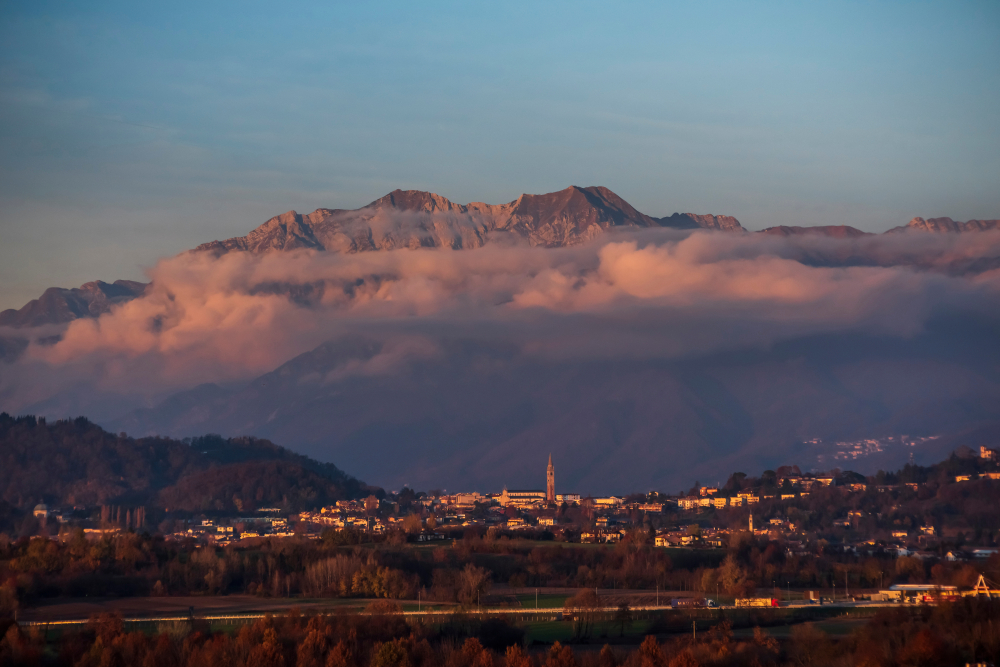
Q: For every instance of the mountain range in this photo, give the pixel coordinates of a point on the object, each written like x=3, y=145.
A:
x=417, y=219
x=478, y=415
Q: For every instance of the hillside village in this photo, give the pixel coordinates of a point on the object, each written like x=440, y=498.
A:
x=888, y=514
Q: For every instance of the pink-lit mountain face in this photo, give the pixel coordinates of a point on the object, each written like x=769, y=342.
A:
x=946, y=225
x=58, y=305
x=414, y=219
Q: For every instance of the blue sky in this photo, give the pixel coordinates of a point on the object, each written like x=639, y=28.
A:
x=130, y=131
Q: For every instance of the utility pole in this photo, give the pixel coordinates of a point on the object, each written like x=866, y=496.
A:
x=694, y=631
x=847, y=593
x=536, y=598
x=418, y=599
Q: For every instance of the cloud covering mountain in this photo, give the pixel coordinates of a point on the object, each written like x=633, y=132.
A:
x=631, y=349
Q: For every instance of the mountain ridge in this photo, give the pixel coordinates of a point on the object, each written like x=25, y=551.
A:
x=426, y=220
x=58, y=305
x=556, y=219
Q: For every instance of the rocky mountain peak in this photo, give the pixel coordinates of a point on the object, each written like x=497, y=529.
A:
x=947, y=225
x=58, y=305
x=555, y=219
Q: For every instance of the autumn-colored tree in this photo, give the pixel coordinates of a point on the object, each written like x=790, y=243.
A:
x=517, y=657
x=340, y=656
x=560, y=656
x=809, y=646
x=391, y=654
x=607, y=657
x=651, y=653
x=313, y=649
x=474, y=582
x=685, y=658
x=412, y=523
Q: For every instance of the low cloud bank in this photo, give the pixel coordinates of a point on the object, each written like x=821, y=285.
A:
x=649, y=294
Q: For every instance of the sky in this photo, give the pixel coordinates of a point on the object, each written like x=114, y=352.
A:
x=133, y=131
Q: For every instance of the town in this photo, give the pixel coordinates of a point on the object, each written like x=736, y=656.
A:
x=885, y=514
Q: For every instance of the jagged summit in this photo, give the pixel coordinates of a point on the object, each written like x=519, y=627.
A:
x=413, y=219
x=947, y=225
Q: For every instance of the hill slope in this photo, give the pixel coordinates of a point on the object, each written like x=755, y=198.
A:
x=70, y=462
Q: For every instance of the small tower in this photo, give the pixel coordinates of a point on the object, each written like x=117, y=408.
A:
x=550, y=483
x=751, y=524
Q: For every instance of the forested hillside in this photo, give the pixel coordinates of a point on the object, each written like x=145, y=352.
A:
x=76, y=462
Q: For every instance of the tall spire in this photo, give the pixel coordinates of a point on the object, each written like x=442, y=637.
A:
x=550, y=483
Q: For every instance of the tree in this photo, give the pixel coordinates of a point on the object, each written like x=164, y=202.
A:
x=560, y=656
x=607, y=658
x=583, y=604
x=412, y=524
x=650, y=653
x=516, y=657
x=474, y=582
x=623, y=617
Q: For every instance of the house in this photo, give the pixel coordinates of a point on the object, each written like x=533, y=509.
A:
x=546, y=521
x=655, y=508
x=720, y=502
x=787, y=496
x=963, y=478
x=708, y=491
x=600, y=536
x=987, y=453
x=687, y=503
x=467, y=499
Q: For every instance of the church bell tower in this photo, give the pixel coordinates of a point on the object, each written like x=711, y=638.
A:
x=550, y=483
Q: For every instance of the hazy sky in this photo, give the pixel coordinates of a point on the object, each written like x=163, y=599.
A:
x=130, y=131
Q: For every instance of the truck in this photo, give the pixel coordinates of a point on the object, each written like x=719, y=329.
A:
x=691, y=603
x=757, y=602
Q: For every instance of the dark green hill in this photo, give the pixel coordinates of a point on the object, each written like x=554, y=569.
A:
x=76, y=462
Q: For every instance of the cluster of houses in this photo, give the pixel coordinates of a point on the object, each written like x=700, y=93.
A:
x=267, y=522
